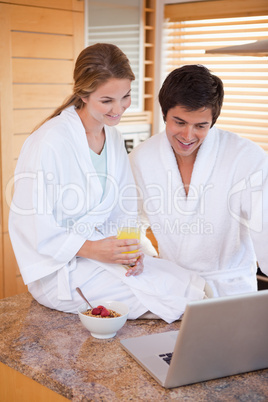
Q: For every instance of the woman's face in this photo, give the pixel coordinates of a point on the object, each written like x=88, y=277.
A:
x=186, y=130
x=110, y=100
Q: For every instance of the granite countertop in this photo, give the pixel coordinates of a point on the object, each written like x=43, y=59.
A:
x=54, y=349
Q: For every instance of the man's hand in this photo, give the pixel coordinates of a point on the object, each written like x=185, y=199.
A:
x=138, y=267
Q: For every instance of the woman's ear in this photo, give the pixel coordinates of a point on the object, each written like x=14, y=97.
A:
x=85, y=100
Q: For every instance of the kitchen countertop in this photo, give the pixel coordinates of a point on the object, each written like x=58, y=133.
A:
x=55, y=350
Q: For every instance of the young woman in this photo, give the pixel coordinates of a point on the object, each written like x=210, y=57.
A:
x=74, y=189
x=205, y=190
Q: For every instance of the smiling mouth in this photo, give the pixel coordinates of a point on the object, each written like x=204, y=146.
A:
x=116, y=116
x=186, y=144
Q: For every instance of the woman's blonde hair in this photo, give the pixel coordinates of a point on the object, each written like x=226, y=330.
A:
x=94, y=66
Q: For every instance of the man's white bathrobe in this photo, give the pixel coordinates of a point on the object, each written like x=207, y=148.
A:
x=220, y=229
x=59, y=203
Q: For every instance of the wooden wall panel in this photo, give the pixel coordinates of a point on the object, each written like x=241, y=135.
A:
x=39, y=42
x=6, y=122
x=32, y=96
x=1, y=216
x=35, y=71
x=26, y=119
x=13, y=280
x=49, y=21
x=18, y=142
x=6, y=105
x=75, y=5
x=152, y=238
x=25, y=44
x=78, y=33
x=16, y=387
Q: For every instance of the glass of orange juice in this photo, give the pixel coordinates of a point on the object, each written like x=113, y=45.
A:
x=129, y=232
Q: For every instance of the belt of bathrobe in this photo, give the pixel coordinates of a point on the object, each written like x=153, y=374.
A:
x=64, y=290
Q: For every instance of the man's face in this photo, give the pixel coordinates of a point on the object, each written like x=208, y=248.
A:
x=186, y=130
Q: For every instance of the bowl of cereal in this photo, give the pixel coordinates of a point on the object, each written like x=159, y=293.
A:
x=105, y=319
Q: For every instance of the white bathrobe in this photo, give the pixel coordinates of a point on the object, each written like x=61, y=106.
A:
x=221, y=228
x=59, y=203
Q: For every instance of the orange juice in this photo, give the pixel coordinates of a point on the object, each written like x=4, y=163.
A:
x=129, y=233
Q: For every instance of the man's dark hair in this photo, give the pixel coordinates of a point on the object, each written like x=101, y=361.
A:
x=192, y=87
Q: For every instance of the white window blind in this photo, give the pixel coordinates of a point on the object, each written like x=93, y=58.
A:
x=119, y=22
x=245, y=78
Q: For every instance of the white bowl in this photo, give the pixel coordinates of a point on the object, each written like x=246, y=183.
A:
x=103, y=328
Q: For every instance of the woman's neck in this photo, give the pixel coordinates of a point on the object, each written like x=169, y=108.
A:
x=96, y=142
x=94, y=132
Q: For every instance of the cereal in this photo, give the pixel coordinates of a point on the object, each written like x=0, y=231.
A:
x=101, y=312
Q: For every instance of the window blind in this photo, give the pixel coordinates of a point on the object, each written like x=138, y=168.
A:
x=127, y=38
x=245, y=78
x=118, y=22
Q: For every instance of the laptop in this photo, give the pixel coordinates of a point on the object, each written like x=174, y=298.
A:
x=218, y=337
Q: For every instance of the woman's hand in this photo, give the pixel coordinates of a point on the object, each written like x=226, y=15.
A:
x=110, y=250
x=138, y=267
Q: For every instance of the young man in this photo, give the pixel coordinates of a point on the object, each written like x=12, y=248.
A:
x=202, y=190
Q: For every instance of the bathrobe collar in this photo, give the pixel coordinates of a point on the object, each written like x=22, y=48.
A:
x=101, y=201
x=202, y=171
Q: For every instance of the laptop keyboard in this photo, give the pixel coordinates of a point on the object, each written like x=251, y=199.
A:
x=166, y=357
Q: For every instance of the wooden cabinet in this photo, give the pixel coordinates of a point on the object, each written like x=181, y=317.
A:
x=39, y=42
x=149, y=10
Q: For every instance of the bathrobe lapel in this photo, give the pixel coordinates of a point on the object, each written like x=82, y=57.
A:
x=99, y=203
x=202, y=171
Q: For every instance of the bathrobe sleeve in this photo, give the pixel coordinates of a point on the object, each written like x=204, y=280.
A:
x=41, y=243
x=147, y=246
x=254, y=203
